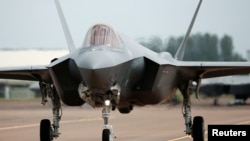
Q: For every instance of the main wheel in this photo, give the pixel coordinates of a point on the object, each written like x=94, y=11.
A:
x=105, y=135
x=198, y=129
x=125, y=110
x=45, y=130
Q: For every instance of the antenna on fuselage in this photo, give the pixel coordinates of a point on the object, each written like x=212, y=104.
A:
x=66, y=31
x=179, y=55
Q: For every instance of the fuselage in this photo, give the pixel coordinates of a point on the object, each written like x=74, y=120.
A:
x=108, y=65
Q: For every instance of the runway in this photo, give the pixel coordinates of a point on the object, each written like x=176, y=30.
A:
x=19, y=120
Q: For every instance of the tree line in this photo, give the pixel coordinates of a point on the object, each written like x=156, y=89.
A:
x=200, y=47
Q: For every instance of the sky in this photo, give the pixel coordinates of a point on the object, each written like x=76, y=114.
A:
x=35, y=23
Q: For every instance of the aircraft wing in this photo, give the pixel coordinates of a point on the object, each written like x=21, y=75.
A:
x=190, y=69
x=33, y=73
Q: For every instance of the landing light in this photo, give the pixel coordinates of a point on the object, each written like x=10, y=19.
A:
x=107, y=102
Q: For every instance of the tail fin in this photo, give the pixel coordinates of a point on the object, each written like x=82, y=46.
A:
x=181, y=50
x=67, y=34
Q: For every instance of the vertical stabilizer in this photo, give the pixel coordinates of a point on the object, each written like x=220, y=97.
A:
x=66, y=31
x=181, y=50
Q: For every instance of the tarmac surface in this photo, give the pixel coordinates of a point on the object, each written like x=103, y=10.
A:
x=19, y=121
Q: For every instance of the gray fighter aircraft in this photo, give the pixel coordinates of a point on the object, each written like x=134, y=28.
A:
x=237, y=85
x=113, y=72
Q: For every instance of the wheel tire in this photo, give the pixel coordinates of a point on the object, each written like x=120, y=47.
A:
x=198, y=129
x=125, y=110
x=45, y=130
x=105, y=134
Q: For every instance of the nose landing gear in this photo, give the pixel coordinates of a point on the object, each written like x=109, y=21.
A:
x=107, y=133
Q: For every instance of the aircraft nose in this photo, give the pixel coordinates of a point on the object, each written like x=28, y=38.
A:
x=96, y=60
x=97, y=69
x=99, y=79
x=100, y=68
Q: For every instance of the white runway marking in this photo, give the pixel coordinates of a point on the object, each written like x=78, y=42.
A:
x=62, y=122
x=18, y=127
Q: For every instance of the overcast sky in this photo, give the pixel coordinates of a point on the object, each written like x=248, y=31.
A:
x=35, y=23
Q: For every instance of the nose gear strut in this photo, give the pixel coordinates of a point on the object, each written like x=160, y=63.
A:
x=107, y=133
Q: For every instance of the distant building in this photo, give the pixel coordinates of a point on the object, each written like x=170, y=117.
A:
x=15, y=89
x=11, y=58
x=18, y=89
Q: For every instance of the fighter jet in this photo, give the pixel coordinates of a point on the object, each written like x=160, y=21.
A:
x=236, y=85
x=114, y=72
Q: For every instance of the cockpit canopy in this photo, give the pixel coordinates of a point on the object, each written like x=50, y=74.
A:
x=102, y=35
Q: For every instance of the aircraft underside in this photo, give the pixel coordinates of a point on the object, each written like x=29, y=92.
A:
x=111, y=99
x=120, y=87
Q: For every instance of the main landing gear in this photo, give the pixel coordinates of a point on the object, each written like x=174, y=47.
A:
x=47, y=131
x=195, y=129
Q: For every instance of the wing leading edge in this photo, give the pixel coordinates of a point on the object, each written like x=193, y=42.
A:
x=32, y=73
x=192, y=70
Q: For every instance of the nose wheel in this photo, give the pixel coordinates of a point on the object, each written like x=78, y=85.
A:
x=106, y=135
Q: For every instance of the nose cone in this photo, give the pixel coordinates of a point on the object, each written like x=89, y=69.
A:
x=98, y=69
x=96, y=60
x=101, y=79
